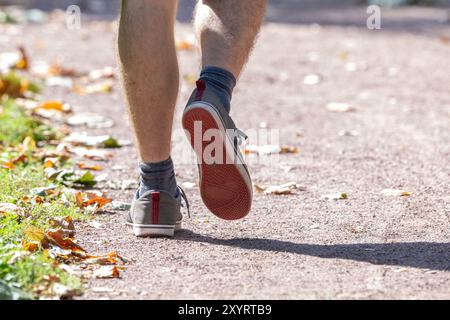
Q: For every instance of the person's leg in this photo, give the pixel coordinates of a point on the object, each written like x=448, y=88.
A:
x=150, y=75
x=227, y=30
x=149, y=66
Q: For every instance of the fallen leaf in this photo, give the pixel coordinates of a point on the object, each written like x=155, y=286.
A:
x=339, y=107
x=64, y=82
x=23, y=63
x=110, y=258
x=91, y=120
x=56, y=69
x=65, y=224
x=104, y=141
x=269, y=149
x=85, y=166
x=63, y=292
x=89, y=153
x=28, y=144
x=54, y=105
x=103, y=87
x=34, y=233
x=59, y=238
x=89, y=199
x=8, y=165
x=312, y=79
x=283, y=189
x=286, y=149
x=107, y=272
x=395, y=193
x=119, y=206
x=31, y=246
x=335, y=196
x=95, y=224
x=107, y=72
x=188, y=185
x=87, y=180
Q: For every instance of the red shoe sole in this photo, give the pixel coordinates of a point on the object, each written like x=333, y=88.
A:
x=224, y=189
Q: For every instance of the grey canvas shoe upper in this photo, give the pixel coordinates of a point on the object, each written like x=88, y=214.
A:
x=156, y=213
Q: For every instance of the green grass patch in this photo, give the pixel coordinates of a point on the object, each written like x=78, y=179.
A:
x=29, y=274
x=16, y=125
x=19, y=269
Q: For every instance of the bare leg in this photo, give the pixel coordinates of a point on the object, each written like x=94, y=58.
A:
x=227, y=30
x=150, y=73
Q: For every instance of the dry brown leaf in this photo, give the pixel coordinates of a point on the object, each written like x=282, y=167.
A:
x=31, y=246
x=66, y=224
x=57, y=70
x=89, y=198
x=58, y=237
x=107, y=259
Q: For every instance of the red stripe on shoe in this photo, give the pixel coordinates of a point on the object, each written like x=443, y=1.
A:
x=155, y=196
x=201, y=87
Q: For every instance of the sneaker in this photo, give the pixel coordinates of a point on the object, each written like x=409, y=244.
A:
x=225, y=187
x=156, y=214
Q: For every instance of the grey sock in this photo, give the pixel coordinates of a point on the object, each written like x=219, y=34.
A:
x=221, y=81
x=158, y=176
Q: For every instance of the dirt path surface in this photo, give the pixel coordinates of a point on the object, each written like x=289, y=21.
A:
x=297, y=246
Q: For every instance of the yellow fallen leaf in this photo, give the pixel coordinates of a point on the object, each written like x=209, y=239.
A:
x=85, y=166
x=185, y=45
x=54, y=105
x=28, y=144
x=23, y=63
x=31, y=246
x=34, y=233
x=103, y=87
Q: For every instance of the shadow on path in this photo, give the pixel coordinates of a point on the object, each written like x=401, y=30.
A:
x=424, y=255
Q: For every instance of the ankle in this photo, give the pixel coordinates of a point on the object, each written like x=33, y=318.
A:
x=221, y=81
x=158, y=176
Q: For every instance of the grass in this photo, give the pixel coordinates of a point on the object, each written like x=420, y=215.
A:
x=25, y=274
x=16, y=125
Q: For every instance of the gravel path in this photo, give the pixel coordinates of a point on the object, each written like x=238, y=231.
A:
x=298, y=246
